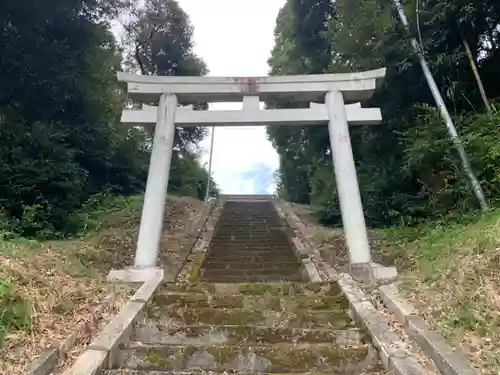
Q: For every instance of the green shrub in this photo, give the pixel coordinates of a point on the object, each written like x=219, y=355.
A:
x=424, y=179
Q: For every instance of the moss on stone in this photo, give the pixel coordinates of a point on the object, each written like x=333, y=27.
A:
x=241, y=334
x=156, y=359
x=213, y=316
x=260, y=288
x=196, y=266
x=223, y=354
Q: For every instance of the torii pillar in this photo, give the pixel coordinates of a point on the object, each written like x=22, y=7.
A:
x=335, y=90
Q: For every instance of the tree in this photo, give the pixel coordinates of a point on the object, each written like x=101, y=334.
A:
x=159, y=42
x=301, y=47
x=365, y=34
x=60, y=137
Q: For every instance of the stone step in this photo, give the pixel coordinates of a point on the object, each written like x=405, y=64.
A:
x=246, y=226
x=242, y=238
x=269, y=217
x=201, y=372
x=249, y=268
x=224, y=247
x=256, y=289
x=268, y=258
x=208, y=272
x=249, y=211
x=278, y=255
x=249, y=247
x=250, y=228
x=270, y=263
x=234, y=217
x=244, y=229
x=250, y=252
x=245, y=244
x=250, y=223
x=241, y=301
x=237, y=264
x=152, y=333
x=252, y=239
x=277, y=358
x=249, y=275
x=253, y=278
x=181, y=316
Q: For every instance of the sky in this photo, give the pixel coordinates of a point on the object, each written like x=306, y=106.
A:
x=235, y=38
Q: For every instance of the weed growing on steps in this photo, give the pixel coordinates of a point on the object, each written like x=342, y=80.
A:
x=15, y=312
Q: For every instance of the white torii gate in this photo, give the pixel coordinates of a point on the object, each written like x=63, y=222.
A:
x=336, y=91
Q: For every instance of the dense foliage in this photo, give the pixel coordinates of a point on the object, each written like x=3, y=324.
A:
x=61, y=141
x=407, y=169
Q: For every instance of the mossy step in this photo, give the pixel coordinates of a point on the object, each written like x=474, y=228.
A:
x=152, y=333
x=251, y=268
x=253, y=278
x=263, y=272
x=180, y=316
x=256, y=289
x=263, y=302
x=278, y=358
x=201, y=372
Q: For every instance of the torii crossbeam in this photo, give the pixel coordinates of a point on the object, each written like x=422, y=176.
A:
x=330, y=96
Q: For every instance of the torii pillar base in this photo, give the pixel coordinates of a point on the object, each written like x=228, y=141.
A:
x=372, y=272
x=135, y=275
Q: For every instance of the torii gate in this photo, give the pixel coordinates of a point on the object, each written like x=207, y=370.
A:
x=334, y=90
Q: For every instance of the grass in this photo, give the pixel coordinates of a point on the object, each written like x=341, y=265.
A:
x=15, y=311
x=450, y=272
x=47, y=288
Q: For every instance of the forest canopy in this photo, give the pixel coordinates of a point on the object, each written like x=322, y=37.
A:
x=61, y=142
x=407, y=168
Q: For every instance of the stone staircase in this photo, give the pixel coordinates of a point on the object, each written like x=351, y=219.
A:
x=242, y=318
x=250, y=244
x=247, y=328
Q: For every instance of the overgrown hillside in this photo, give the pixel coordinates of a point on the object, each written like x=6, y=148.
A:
x=408, y=170
x=61, y=141
x=48, y=288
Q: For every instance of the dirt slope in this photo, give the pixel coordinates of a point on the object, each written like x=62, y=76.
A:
x=49, y=288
